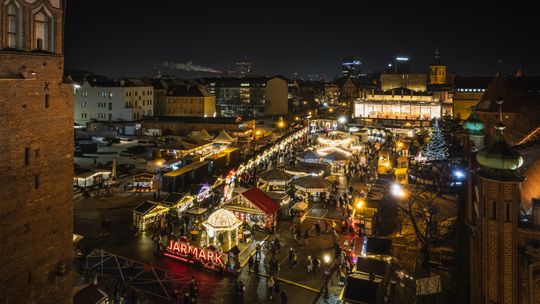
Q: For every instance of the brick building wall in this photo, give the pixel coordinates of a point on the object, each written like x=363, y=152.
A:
x=36, y=165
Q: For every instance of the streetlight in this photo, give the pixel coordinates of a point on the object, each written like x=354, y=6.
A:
x=397, y=191
x=342, y=120
x=326, y=258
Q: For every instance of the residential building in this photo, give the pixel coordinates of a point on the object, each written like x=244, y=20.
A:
x=117, y=100
x=466, y=93
x=36, y=155
x=276, y=96
x=189, y=100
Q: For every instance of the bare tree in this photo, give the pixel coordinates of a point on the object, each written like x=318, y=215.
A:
x=420, y=208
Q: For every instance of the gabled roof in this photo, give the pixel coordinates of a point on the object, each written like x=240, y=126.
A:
x=275, y=174
x=145, y=207
x=260, y=200
x=223, y=137
x=309, y=154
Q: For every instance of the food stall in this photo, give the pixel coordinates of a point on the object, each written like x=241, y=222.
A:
x=143, y=182
x=275, y=180
x=179, y=202
x=254, y=208
x=314, y=187
x=146, y=213
x=91, y=178
x=299, y=211
x=308, y=156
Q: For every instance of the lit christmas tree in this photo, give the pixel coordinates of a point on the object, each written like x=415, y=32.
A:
x=436, y=147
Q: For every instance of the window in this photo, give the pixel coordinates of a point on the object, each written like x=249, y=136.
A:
x=36, y=181
x=13, y=26
x=110, y=105
x=26, y=156
x=42, y=29
x=46, y=100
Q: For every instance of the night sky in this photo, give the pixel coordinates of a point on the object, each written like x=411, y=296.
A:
x=133, y=38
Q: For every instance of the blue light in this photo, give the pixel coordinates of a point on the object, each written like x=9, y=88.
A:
x=459, y=174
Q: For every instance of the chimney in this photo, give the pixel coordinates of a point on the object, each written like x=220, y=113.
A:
x=536, y=212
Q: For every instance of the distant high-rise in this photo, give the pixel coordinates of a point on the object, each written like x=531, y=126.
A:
x=36, y=155
x=400, y=65
x=351, y=67
x=243, y=68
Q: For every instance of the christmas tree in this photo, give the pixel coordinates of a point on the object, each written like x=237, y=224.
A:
x=436, y=147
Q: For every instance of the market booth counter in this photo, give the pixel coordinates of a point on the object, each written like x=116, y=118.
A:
x=143, y=182
x=254, y=208
x=275, y=180
x=146, y=213
x=313, y=187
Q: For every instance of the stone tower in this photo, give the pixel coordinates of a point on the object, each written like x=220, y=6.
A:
x=437, y=70
x=493, y=215
x=36, y=155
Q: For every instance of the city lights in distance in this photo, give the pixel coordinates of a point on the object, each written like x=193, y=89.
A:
x=402, y=58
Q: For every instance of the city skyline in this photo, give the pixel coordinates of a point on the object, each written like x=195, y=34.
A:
x=293, y=38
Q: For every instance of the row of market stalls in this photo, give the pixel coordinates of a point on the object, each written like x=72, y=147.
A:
x=149, y=211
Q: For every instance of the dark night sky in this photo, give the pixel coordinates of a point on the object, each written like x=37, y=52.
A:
x=129, y=38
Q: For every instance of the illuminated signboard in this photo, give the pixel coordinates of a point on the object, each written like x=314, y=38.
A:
x=187, y=252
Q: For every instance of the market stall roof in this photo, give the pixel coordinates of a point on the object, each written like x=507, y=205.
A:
x=260, y=200
x=77, y=237
x=143, y=176
x=88, y=174
x=90, y=294
x=308, y=154
x=202, y=134
x=279, y=197
x=222, y=220
x=336, y=135
x=300, y=206
x=223, y=137
x=311, y=183
x=370, y=265
x=307, y=168
x=337, y=156
x=360, y=289
x=275, y=175
x=378, y=246
x=239, y=189
x=196, y=211
x=145, y=207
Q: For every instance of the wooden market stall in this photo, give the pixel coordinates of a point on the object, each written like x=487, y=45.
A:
x=275, y=179
x=254, y=207
x=146, y=213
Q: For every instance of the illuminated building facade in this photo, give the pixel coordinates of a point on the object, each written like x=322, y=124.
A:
x=36, y=155
x=396, y=108
x=189, y=100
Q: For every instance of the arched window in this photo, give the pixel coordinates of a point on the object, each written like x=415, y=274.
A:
x=42, y=31
x=13, y=29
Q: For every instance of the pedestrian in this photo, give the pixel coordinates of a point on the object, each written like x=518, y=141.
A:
x=295, y=259
x=250, y=263
x=291, y=256
x=187, y=298
x=316, y=263
x=309, y=264
x=283, y=297
x=317, y=228
x=270, y=285
x=306, y=235
x=326, y=225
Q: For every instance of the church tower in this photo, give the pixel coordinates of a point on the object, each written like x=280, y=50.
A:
x=437, y=70
x=493, y=214
x=36, y=155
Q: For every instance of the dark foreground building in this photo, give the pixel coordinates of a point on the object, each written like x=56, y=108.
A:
x=36, y=155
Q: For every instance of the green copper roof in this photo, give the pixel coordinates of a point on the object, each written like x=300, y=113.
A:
x=499, y=155
x=474, y=125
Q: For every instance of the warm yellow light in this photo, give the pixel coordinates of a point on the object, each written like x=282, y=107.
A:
x=297, y=118
x=399, y=144
x=330, y=110
x=309, y=113
x=258, y=132
x=359, y=204
x=281, y=124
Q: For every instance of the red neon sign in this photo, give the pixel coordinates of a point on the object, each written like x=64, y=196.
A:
x=187, y=252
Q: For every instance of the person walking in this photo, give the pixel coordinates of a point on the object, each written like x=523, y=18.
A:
x=250, y=263
x=317, y=228
x=309, y=264
x=326, y=226
x=283, y=297
x=316, y=263
x=270, y=284
x=291, y=256
x=306, y=236
x=295, y=259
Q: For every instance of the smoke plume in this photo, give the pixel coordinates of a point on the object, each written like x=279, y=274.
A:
x=189, y=67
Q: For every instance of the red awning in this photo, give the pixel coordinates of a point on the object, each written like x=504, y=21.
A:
x=261, y=200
